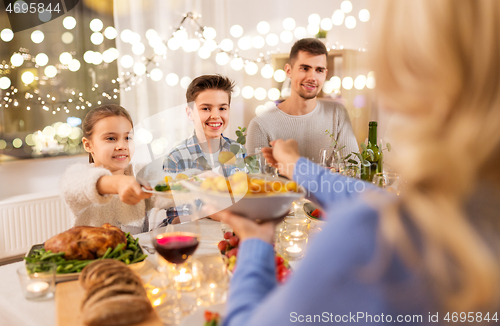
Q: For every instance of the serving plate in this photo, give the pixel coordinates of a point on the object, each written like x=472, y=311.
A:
x=253, y=206
x=170, y=194
x=75, y=276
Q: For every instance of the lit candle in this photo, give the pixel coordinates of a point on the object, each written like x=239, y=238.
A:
x=183, y=277
x=294, y=251
x=37, y=287
x=296, y=233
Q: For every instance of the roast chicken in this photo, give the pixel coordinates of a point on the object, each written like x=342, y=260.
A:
x=86, y=242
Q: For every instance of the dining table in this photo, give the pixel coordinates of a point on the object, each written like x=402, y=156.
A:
x=15, y=310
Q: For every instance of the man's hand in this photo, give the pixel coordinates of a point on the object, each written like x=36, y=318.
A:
x=127, y=188
x=283, y=155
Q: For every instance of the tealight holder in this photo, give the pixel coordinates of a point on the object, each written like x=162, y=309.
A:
x=297, y=225
x=293, y=244
x=38, y=280
x=212, y=280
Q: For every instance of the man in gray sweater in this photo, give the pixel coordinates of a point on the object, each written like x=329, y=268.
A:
x=301, y=116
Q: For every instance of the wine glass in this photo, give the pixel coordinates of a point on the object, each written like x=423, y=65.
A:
x=330, y=158
x=176, y=244
x=265, y=168
x=391, y=182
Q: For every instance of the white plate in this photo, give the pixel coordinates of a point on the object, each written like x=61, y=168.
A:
x=253, y=206
x=172, y=194
x=198, y=317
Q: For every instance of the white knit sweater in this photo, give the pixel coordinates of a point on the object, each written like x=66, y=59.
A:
x=308, y=130
x=79, y=191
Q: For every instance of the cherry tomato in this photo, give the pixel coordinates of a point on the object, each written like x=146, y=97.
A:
x=279, y=260
x=228, y=235
x=233, y=241
x=222, y=245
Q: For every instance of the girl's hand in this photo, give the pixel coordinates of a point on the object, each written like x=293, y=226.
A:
x=245, y=228
x=127, y=188
x=283, y=155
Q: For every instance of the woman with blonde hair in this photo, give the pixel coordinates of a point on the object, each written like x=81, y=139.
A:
x=431, y=255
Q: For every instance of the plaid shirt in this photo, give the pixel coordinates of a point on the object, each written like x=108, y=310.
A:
x=189, y=155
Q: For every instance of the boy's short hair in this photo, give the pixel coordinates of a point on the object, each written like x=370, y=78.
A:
x=309, y=45
x=204, y=82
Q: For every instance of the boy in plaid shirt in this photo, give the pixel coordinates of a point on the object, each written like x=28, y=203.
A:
x=208, y=98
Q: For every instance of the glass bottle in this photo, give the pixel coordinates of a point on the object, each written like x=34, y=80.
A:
x=372, y=154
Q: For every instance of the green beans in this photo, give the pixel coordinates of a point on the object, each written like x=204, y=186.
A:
x=129, y=253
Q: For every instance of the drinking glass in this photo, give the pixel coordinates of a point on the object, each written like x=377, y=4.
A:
x=212, y=280
x=389, y=181
x=37, y=280
x=264, y=167
x=176, y=243
x=330, y=158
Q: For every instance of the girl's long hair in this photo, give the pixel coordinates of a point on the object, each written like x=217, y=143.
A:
x=101, y=112
x=437, y=64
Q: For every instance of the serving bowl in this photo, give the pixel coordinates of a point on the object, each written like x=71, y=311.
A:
x=260, y=206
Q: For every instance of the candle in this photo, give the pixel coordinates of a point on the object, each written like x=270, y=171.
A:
x=296, y=233
x=37, y=287
x=293, y=251
x=184, y=277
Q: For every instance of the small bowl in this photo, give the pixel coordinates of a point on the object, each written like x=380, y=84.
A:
x=252, y=206
x=308, y=209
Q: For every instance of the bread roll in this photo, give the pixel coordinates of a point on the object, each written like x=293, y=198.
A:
x=115, y=295
x=125, y=309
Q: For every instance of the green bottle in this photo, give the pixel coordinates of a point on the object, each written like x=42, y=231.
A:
x=373, y=154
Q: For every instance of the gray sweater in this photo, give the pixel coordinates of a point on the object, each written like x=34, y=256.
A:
x=308, y=130
x=78, y=189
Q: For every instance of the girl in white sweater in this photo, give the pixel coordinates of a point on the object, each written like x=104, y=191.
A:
x=105, y=191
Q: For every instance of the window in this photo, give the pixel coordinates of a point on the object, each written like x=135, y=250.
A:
x=51, y=75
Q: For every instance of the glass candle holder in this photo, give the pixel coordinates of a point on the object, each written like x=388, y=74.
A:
x=293, y=244
x=297, y=225
x=38, y=280
x=212, y=280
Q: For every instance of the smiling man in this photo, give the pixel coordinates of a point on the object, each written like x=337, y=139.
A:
x=302, y=117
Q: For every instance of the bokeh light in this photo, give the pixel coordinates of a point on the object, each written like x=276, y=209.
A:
x=69, y=22
x=41, y=59
x=289, y=24
x=260, y=93
x=263, y=27
x=27, y=77
x=6, y=35
x=96, y=25
x=247, y=92
x=172, y=79
x=236, y=31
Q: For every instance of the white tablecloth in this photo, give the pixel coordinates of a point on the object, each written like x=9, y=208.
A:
x=15, y=310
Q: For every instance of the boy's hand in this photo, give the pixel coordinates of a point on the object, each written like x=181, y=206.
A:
x=283, y=155
x=127, y=188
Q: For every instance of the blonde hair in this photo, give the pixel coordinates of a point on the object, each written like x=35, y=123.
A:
x=437, y=63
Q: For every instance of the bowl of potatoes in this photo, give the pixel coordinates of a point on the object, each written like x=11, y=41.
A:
x=255, y=196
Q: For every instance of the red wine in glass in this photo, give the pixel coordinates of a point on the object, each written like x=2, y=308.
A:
x=176, y=247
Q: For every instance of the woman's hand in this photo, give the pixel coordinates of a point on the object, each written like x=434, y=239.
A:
x=283, y=155
x=245, y=228
x=127, y=188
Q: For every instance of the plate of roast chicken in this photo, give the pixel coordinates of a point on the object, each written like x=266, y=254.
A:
x=79, y=246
